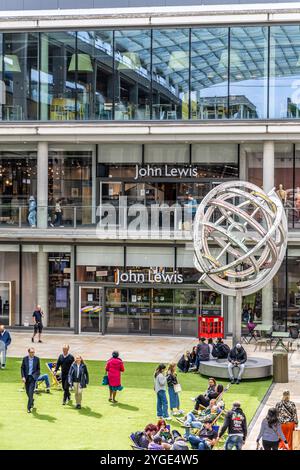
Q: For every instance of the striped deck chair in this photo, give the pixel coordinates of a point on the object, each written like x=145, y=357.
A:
x=55, y=382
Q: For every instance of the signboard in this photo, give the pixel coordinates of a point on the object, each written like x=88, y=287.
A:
x=151, y=275
x=61, y=297
x=165, y=171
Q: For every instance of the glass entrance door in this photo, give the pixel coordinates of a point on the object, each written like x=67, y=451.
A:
x=90, y=309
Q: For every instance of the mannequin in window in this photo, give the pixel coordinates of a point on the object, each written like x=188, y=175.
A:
x=281, y=193
x=297, y=201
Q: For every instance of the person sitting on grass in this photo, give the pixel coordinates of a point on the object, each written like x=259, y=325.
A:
x=164, y=431
x=206, y=437
x=43, y=378
x=180, y=444
x=213, y=391
x=143, y=438
x=184, y=362
x=156, y=444
x=193, y=358
x=192, y=420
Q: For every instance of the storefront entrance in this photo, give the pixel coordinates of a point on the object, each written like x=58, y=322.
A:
x=145, y=310
x=90, y=309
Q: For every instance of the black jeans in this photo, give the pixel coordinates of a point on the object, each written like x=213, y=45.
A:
x=201, y=400
x=66, y=387
x=29, y=387
x=270, y=445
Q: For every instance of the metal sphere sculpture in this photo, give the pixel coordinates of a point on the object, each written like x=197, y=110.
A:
x=240, y=238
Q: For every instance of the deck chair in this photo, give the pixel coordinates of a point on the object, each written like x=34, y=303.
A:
x=134, y=444
x=55, y=382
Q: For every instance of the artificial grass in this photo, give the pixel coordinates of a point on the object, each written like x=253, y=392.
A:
x=99, y=424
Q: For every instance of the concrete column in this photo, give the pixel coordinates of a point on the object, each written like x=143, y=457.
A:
x=268, y=165
x=43, y=283
x=268, y=184
x=243, y=164
x=42, y=185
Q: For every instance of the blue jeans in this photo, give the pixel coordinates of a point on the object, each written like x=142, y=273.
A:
x=191, y=420
x=234, y=441
x=42, y=378
x=198, y=443
x=162, y=404
x=174, y=398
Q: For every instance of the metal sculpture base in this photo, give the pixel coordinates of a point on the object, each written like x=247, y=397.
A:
x=256, y=368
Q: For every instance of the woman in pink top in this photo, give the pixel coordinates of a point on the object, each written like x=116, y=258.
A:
x=114, y=367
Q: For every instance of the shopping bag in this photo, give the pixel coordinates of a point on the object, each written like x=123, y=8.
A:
x=177, y=388
x=105, y=380
x=296, y=439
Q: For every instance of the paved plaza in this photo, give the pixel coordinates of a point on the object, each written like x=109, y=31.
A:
x=153, y=349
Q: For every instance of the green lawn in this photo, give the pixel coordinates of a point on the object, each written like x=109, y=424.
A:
x=99, y=424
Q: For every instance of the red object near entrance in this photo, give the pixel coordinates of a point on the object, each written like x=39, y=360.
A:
x=210, y=327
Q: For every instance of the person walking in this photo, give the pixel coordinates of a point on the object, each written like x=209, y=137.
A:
x=237, y=358
x=236, y=424
x=114, y=367
x=5, y=340
x=160, y=385
x=30, y=372
x=271, y=432
x=173, y=386
x=37, y=315
x=64, y=362
x=78, y=378
x=287, y=415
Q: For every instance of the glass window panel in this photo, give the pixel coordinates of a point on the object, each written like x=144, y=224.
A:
x=58, y=76
x=19, y=77
x=216, y=160
x=209, y=73
x=70, y=185
x=284, y=175
x=100, y=256
x=170, y=74
x=94, y=75
x=9, y=285
x=248, y=72
x=167, y=153
x=253, y=153
x=145, y=256
x=284, y=72
x=120, y=153
x=132, y=74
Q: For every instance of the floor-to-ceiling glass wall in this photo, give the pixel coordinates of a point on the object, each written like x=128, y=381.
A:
x=209, y=73
x=71, y=186
x=248, y=67
x=18, y=183
x=170, y=74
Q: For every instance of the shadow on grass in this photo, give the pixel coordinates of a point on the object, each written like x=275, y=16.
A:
x=123, y=406
x=87, y=411
x=48, y=418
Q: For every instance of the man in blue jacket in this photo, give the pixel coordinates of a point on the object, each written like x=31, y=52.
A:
x=30, y=372
x=5, y=341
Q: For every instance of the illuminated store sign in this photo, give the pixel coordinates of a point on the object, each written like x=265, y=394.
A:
x=152, y=275
x=167, y=171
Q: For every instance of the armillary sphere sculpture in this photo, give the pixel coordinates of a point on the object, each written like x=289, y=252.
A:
x=240, y=238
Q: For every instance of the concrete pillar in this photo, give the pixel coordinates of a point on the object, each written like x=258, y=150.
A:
x=43, y=283
x=243, y=164
x=268, y=165
x=42, y=185
x=268, y=184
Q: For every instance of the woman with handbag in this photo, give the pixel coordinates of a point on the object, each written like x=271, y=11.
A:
x=271, y=432
x=174, y=389
x=287, y=415
x=114, y=368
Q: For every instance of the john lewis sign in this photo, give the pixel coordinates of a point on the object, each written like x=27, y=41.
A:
x=149, y=276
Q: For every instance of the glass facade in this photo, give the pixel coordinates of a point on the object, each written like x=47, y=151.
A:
x=199, y=73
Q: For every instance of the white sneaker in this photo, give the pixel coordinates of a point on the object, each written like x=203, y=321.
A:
x=193, y=399
x=169, y=418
